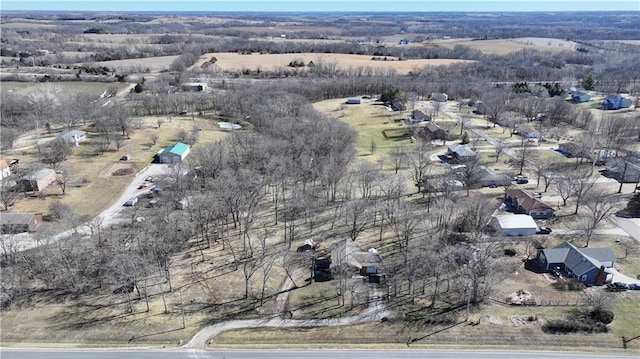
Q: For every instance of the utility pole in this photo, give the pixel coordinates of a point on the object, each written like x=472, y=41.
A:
x=182, y=309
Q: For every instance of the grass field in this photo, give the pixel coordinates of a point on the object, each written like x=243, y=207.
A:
x=95, y=170
x=237, y=62
x=506, y=46
x=153, y=64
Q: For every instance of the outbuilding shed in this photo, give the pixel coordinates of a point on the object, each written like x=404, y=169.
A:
x=175, y=153
x=514, y=225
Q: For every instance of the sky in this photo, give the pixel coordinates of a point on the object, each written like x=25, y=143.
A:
x=321, y=5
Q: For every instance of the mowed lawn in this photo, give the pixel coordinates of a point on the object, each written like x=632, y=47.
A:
x=369, y=119
x=237, y=62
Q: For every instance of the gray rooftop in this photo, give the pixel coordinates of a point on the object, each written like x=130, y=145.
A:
x=15, y=218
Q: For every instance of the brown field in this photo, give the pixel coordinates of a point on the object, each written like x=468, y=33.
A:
x=84, y=164
x=154, y=64
x=237, y=62
x=506, y=46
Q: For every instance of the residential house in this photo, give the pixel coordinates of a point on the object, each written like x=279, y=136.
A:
x=354, y=101
x=623, y=169
x=570, y=149
x=433, y=132
x=194, y=86
x=520, y=201
x=486, y=177
x=616, y=102
x=588, y=265
x=175, y=153
x=439, y=97
x=5, y=169
x=346, y=255
x=460, y=153
x=514, y=225
x=37, y=181
x=417, y=116
x=528, y=132
x=579, y=97
x=20, y=222
x=73, y=137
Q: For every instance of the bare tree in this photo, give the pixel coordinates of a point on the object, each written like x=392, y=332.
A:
x=600, y=207
x=397, y=156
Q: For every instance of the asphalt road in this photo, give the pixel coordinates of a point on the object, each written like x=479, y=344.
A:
x=289, y=354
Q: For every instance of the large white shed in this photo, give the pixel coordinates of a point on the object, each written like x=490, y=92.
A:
x=514, y=224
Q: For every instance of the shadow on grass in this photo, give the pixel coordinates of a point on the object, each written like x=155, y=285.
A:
x=413, y=340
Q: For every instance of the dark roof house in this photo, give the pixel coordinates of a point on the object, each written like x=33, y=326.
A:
x=348, y=256
x=521, y=201
x=616, y=102
x=432, y=131
x=588, y=265
x=579, y=97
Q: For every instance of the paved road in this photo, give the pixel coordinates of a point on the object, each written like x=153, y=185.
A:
x=291, y=354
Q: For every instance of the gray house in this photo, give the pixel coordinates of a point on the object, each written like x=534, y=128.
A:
x=579, y=97
x=460, y=153
x=588, y=265
x=623, y=169
x=489, y=178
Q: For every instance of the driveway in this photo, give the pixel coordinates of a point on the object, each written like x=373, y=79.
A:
x=622, y=278
x=109, y=216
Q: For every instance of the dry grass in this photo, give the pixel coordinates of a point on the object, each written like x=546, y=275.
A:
x=60, y=88
x=86, y=167
x=237, y=62
x=152, y=64
x=506, y=46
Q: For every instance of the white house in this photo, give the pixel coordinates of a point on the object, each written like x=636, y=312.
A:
x=514, y=224
x=5, y=169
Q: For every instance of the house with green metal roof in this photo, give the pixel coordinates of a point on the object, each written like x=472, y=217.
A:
x=175, y=153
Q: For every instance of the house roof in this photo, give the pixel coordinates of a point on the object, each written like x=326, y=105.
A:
x=349, y=252
x=527, y=130
x=67, y=136
x=15, y=218
x=485, y=173
x=460, y=150
x=40, y=174
x=579, y=260
x=526, y=200
x=177, y=148
x=513, y=221
x=432, y=127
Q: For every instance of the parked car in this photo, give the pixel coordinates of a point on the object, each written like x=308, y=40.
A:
x=131, y=202
x=621, y=285
x=537, y=195
x=142, y=186
x=612, y=287
x=634, y=286
x=521, y=179
x=544, y=230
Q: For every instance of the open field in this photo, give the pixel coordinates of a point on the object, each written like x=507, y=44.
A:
x=149, y=64
x=237, y=62
x=87, y=169
x=92, y=88
x=506, y=46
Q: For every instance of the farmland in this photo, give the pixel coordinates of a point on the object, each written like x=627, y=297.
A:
x=316, y=207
